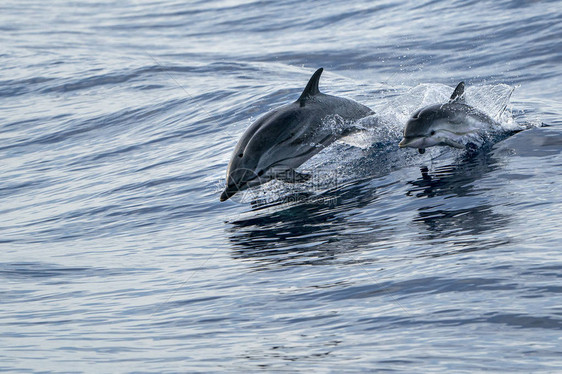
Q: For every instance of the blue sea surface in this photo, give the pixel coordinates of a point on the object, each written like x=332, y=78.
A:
x=117, y=122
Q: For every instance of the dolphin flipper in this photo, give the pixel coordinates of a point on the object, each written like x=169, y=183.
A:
x=292, y=176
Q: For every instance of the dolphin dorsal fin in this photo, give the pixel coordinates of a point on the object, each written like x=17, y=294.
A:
x=458, y=94
x=311, y=88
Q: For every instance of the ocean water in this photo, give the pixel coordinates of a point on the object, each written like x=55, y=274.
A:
x=117, y=121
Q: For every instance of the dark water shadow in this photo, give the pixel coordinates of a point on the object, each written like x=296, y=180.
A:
x=458, y=213
x=314, y=230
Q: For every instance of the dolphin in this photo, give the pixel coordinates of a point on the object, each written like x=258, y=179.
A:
x=454, y=123
x=286, y=137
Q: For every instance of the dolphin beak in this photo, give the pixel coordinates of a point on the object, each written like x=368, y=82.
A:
x=227, y=194
x=239, y=183
x=413, y=142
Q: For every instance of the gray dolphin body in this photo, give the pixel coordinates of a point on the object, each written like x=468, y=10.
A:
x=455, y=124
x=284, y=138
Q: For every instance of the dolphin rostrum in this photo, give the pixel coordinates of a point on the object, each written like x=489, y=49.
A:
x=284, y=138
x=454, y=123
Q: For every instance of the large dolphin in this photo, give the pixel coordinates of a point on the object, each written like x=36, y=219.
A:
x=284, y=138
x=455, y=124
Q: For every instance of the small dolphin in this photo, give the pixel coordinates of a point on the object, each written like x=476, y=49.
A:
x=284, y=138
x=455, y=124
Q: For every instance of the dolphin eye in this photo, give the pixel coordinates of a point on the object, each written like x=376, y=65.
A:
x=432, y=132
x=241, y=155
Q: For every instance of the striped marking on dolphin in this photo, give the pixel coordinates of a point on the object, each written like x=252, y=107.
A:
x=286, y=137
x=453, y=124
